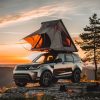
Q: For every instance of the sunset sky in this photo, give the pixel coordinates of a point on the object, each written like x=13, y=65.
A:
x=18, y=18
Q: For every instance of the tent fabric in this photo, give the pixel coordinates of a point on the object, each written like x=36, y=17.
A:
x=52, y=35
x=39, y=41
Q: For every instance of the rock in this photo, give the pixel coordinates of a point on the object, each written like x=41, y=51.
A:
x=30, y=94
x=0, y=95
x=68, y=91
x=16, y=90
x=63, y=88
x=0, y=90
x=12, y=95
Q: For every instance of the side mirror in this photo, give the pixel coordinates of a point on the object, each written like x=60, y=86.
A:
x=58, y=60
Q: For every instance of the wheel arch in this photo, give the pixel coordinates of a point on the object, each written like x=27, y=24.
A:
x=77, y=67
x=74, y=78
x=46, y=68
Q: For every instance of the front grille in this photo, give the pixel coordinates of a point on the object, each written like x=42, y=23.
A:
x=22, y=68
x=26, y=67
x=24, y=77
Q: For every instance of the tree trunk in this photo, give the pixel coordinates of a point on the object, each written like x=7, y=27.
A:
x=95, y=62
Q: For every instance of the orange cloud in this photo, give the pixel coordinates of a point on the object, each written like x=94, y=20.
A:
x=35, y=13
x=42, y=11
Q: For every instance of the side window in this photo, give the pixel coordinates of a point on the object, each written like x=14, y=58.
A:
x=61, y=56
x=69, y=58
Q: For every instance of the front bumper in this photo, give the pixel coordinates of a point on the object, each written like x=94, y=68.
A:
x=25, y=76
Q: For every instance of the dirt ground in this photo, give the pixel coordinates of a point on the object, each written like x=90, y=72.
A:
x=63, y=90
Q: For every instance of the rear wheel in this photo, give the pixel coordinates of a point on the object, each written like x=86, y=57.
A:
x=20, y=84
x=46, y=78
x=76, y=75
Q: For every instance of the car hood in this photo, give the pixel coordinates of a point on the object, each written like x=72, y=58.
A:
x=30, y=66
x=27, y=66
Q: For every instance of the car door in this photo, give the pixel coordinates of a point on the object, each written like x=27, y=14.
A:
x=59, y=68
x=69, y=63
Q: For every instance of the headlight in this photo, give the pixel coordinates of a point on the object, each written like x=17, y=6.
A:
x=33, y=67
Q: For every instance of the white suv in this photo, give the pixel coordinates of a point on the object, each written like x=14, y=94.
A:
x=47, y=68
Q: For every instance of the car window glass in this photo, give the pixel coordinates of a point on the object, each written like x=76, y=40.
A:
x=69, y=58
x=41, y=59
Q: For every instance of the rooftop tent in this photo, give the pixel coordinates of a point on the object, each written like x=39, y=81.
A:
x=52, y=35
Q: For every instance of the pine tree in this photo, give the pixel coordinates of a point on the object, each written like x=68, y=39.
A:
x=91, y=41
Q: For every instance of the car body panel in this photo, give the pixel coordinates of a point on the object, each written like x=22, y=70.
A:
x=58, y=69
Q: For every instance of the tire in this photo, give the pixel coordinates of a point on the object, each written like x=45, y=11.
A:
x=76, y=75
x=54, y=80
x=45, y=79
x=20, y=84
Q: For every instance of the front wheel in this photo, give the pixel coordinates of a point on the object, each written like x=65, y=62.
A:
x=54, y=80
x=20, y=84
x=46, y=78
x=76, y=75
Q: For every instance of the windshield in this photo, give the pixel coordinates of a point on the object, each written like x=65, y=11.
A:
x=45, y=58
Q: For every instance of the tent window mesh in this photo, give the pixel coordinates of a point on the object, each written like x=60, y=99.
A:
x=41, y=41
x=46, y=40
x=65, y=39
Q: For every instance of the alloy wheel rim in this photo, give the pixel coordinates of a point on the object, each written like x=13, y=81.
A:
x=77, y=76
x=46, y=78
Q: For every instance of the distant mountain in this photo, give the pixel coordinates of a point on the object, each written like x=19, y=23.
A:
x=7, y=65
